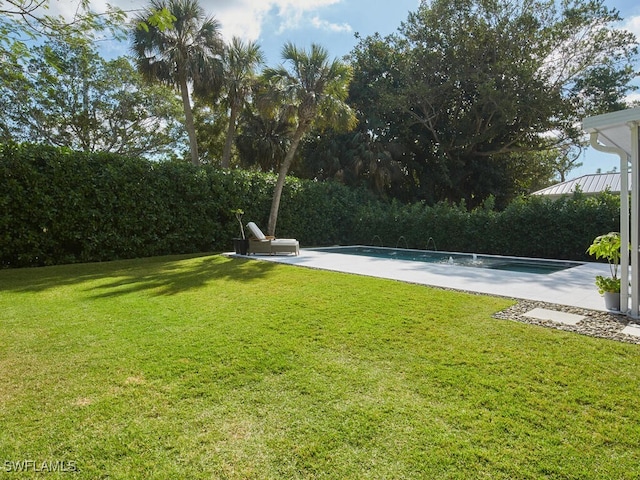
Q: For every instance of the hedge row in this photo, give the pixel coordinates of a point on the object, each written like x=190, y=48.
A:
x=530, y=227
x=60, y=206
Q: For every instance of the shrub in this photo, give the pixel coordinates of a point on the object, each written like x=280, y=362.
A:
x=61, y=206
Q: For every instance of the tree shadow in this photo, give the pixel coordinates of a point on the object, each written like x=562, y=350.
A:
x=162, y=275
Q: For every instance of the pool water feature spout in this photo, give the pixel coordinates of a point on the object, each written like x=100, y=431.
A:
x=434, y=244
x=374, y=239
x=406, y=245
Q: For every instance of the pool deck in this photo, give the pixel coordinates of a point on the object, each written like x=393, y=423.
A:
x=573, y=287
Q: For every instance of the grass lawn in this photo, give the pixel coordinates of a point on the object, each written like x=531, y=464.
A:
x=210, y=367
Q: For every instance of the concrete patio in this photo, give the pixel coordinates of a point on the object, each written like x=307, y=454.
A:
x=572, y=287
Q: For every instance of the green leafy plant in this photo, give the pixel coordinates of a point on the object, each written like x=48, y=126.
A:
x=607, y=247
x=607, y=284
x=238, y=212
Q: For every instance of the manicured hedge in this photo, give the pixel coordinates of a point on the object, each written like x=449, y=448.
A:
x=532, y=227
x=60, y=206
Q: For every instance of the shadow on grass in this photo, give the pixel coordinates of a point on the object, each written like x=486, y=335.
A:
x=166, y=275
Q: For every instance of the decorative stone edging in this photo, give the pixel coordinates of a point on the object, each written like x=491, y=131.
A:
x=595, y=324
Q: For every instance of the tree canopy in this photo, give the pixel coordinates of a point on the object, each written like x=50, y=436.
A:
x=189, y=51
x=468, y=100
x=67, y=95
x=316, y=89
x=465, y=85
x=241, y=63
x=24, y=21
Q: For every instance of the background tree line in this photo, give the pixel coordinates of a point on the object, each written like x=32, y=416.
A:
x=470, y=99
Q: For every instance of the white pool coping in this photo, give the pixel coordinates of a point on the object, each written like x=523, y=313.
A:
x=572, y=287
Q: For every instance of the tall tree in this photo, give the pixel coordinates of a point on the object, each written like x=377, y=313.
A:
x=316, y=90
x=352, y=158
x=25, y=22
x=566, y=158
x=467, y=82
x=65, y=94
x=188, y=52
x=211, y=126
x=265, y=138
x=241, y=61
x=12, y=80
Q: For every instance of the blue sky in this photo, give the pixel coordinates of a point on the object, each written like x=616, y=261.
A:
x=330, y=23
x=333, y=24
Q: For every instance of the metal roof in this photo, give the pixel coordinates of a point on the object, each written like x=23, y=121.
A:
x=589, y=184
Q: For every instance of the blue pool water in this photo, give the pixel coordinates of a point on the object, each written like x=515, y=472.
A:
x=513, y=264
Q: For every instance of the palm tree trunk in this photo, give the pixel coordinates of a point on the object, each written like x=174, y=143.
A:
x=231, y=132
x=282, y=176
x=188, y=118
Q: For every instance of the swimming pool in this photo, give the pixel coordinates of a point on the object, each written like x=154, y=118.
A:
x=494, y=262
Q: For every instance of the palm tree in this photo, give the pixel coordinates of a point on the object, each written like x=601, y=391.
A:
x=241, y=62
x=190, y=51
x=264, y=139
x=317, y=90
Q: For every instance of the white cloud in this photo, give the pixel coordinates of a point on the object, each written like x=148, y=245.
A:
x=246, y=18
x=332, y=27
x=633, y=99
x=69, y=8
x=242, y=18
x=632, y=24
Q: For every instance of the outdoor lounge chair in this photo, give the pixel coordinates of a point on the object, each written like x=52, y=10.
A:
x=260, y=243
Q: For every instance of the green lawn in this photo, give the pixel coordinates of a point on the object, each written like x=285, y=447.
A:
x=210, y=367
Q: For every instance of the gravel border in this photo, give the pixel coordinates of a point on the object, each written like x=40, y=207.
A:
x=599, y=324
x=595, y=324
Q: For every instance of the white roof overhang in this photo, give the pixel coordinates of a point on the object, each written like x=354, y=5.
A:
x=612, y=130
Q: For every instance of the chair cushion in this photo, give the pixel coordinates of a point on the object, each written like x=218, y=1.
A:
x=255, y=231
x=284, y=241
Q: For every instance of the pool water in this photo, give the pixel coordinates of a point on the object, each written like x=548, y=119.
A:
x=512, y=264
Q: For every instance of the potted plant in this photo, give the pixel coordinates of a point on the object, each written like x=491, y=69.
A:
x=608, y=246
x=240, y=245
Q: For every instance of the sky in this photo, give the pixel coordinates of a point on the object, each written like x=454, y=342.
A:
x=334, y=25
x=272, y=23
